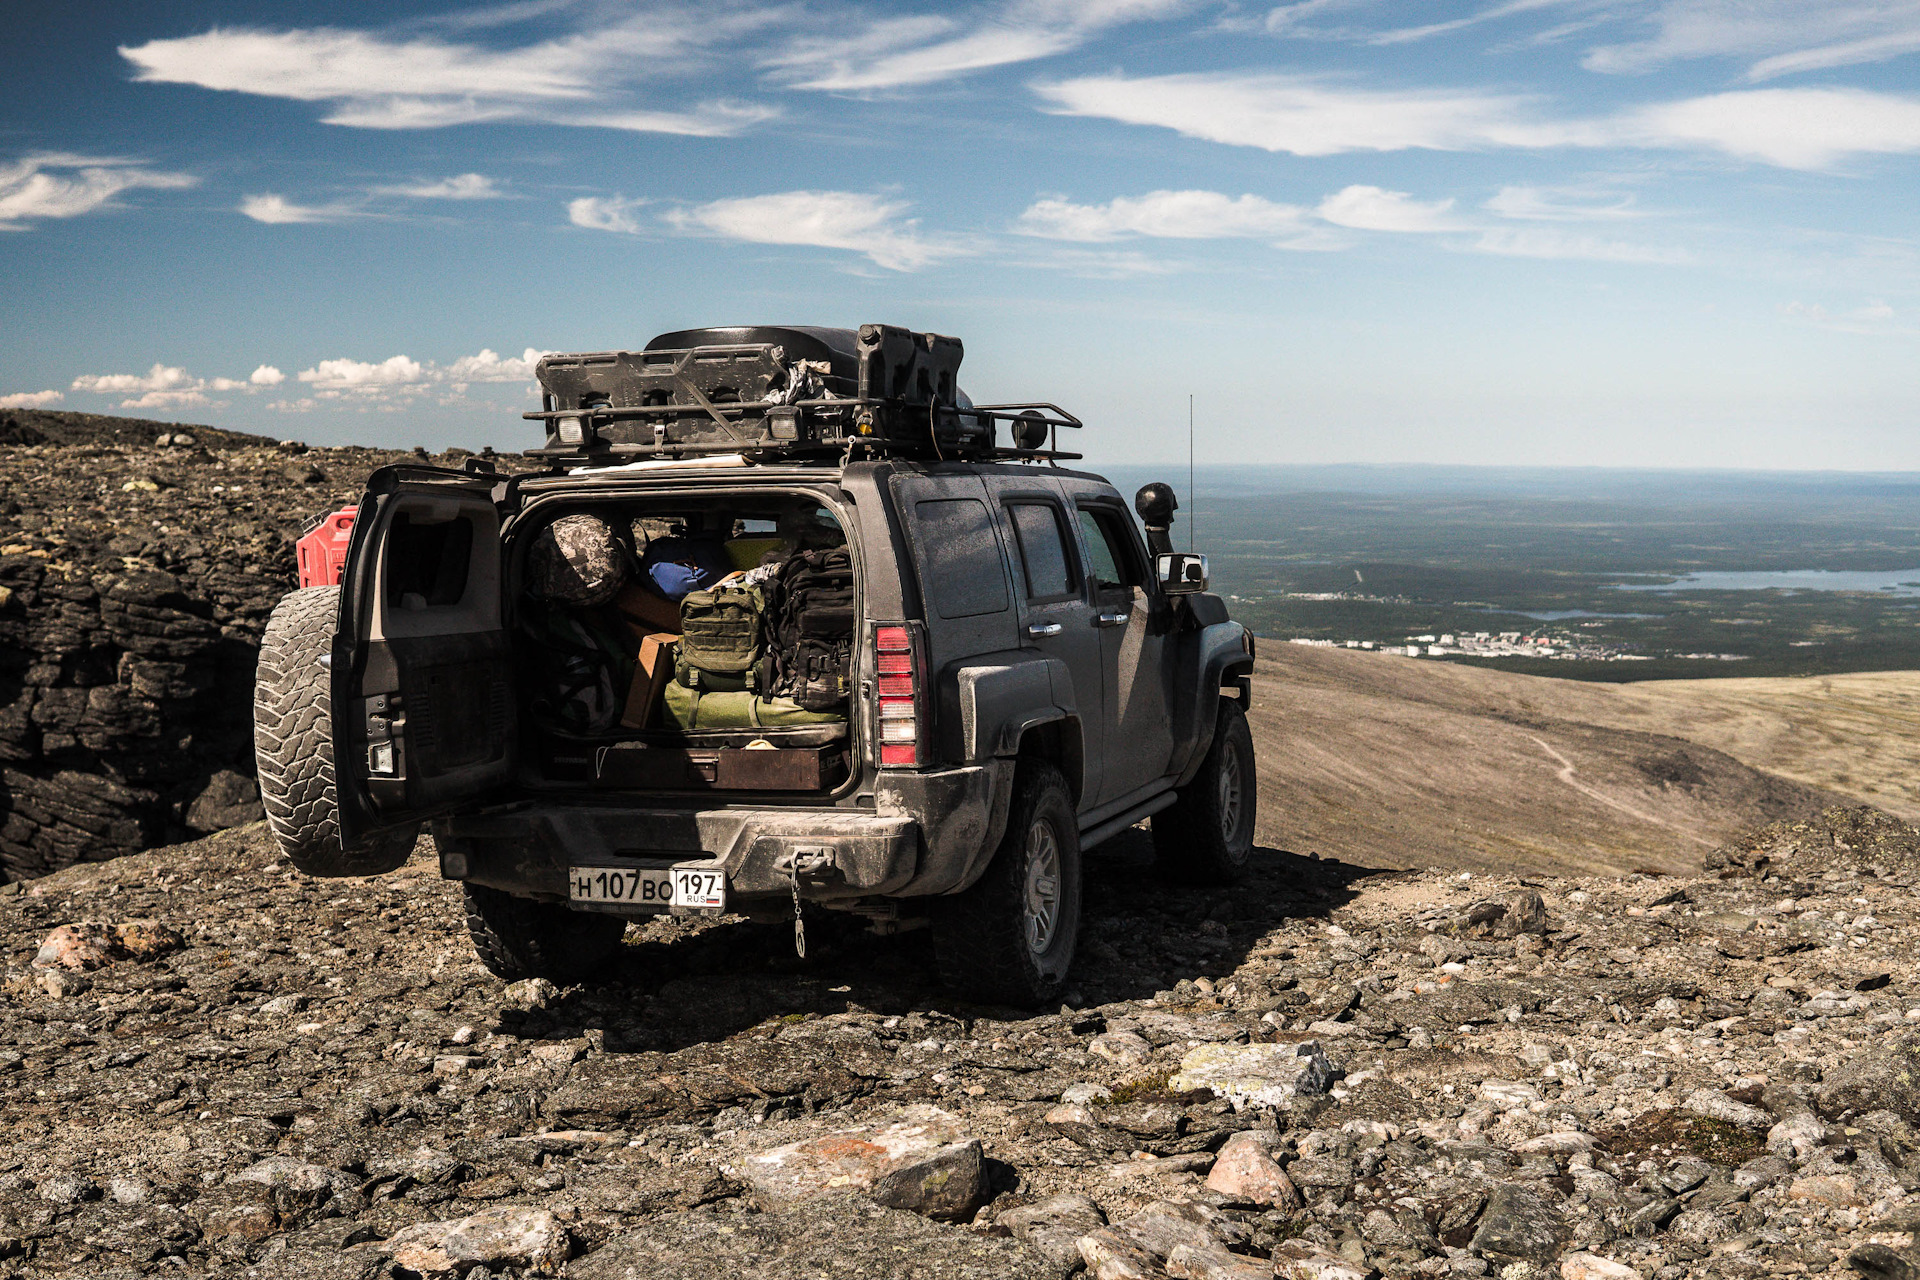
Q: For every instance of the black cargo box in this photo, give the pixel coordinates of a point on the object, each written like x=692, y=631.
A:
x=763, y=388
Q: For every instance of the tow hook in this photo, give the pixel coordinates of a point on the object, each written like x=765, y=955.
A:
x=809, y=862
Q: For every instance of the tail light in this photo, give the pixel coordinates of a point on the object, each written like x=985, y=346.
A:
x=899, y=720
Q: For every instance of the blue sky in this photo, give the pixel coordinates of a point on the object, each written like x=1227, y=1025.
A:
x=1539, y=232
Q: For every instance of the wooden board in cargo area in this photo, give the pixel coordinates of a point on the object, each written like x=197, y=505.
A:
x=640, y=766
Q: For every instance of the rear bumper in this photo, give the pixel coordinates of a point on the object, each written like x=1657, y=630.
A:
x=926, y=833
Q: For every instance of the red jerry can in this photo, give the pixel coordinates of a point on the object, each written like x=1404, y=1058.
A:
x=322, y=551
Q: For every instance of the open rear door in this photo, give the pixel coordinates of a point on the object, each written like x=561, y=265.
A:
x=422, y=692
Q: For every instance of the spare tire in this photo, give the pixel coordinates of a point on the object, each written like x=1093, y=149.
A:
x=293, y=744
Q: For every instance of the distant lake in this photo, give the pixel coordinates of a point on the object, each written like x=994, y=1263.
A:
x=1558, y=615
x=1893, y=582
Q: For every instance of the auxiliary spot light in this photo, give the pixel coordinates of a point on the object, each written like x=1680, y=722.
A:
x=572, y=430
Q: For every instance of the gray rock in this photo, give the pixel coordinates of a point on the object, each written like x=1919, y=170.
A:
x=915, y=1158
x=1886, y=1078
x=64, y=1190
x=1521, y=1225
x=1684, y=1175
x=1054, y=1226
x=1715, y=1105
x=508, y=1236
x=1188, y=1262
x=1261, y=1075
x=841, y=1236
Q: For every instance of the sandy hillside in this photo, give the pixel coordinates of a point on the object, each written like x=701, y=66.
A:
x=1388, y=761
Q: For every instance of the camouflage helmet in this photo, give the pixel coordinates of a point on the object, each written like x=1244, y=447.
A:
x=576, y=560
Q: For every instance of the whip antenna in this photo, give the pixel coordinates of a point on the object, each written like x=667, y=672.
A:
x=1193, y=499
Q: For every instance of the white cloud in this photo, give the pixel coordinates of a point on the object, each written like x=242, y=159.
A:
x=1365, y=208
x=465, y=186
x=1179, y=215
x=57, y=185
x=229, y=384
x=1793, y=128
x=164, y=400
x=305, y=404
x=848, y=220
x=1876, y=319
x=159, y=378
x=1545, y=242
x=1557, y=204
x=266, y=376
x=1785, y=36
x=1304, y=116
x=605, y=213
x=374, y=81
x=485, y=366
x=356, y=375
x=894, y=53
x=279, y=211
x=30, y=399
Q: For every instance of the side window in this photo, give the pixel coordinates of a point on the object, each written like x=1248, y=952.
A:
x=427, y=563
x=958, y=547
x=1114, y=563
x=1043, y=550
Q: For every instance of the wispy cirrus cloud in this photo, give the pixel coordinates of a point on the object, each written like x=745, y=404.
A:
x=896, y=52
x=1783, y=37
x=1179, y=215
x=374, y=80
x=1212, y=215
x=605, y=213
x=463, y=186
x=1369, y=208
x=1561, y=204
x=55, y=184
x=1791, y=128
x=278, y=211
x=1303, y=115
x=855, y=221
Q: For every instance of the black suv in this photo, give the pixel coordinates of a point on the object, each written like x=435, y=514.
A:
x=1024, y=674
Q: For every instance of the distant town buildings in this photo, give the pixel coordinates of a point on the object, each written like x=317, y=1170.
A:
x=1507, y=644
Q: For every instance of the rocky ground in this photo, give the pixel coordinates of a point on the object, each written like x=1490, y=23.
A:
x=138, y=564
x=212, y=1065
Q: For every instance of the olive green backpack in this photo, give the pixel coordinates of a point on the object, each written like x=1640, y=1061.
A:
x=722, y=642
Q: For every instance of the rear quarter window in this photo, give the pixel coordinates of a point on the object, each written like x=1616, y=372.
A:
x=427, y=563
x=965, y=576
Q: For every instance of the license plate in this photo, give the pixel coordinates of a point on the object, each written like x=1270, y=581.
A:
x=656, y=887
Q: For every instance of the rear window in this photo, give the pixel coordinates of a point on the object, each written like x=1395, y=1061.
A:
x=1043, y=550
x=965, y=574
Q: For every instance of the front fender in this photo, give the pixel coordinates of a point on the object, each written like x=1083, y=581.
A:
x=1210, y=657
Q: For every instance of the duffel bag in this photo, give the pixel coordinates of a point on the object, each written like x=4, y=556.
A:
x=721, y=639
x=684, y=708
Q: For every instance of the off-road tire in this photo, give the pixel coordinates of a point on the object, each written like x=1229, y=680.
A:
x=519, y=938
x=293, y=744
x=1206, y=837
x=984, y=939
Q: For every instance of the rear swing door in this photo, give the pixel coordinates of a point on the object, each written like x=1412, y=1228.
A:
x=422, y=692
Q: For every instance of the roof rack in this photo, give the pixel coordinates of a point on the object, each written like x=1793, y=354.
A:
x=781, y=393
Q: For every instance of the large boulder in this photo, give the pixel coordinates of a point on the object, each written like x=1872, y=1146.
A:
x=1256, y=1075
x=1883, y=1079
x=916, y=1159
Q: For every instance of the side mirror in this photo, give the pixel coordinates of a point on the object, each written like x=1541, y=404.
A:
x=1181, y=573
